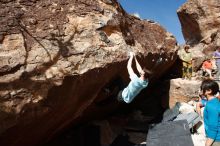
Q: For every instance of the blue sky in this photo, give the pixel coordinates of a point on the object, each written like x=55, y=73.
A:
x=161, y=11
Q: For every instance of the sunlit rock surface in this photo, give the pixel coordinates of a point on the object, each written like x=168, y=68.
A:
x=182, y=90
x=199, y=19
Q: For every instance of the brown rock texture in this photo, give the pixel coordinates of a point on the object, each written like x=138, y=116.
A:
x=199, y=19
x=56, y=57
x=183, y=90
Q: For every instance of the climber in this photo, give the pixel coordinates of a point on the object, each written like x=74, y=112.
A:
x=137, y=83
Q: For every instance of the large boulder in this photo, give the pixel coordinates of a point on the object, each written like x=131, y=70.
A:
x=199, y=19
x=182, y=91
x=200, y=23
x=57, y=56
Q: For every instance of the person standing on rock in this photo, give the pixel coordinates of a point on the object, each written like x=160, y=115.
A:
x=216, y=56
x=137, y=83
x=186, y=56
x=211, y=112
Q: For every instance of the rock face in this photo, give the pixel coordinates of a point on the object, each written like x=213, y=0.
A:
x=183, y=90
x=57, y=56
x=199, y=19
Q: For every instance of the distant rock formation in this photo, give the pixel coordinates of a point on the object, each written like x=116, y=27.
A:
x=199, y=19
x=57, y=56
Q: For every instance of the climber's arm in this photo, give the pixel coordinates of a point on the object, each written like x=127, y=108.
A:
x=139, y=68
x=129, y=65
